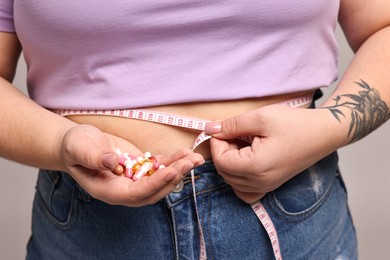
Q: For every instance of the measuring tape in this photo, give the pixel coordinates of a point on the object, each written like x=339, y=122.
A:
x=196, y=124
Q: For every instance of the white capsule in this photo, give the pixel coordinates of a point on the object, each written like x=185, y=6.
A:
x=142, y=170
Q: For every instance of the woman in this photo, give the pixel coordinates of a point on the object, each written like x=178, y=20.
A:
x=211, y=60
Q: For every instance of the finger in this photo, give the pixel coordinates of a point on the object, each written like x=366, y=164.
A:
x=236, y=181
x=115, y=189
x=91, y=150
x=158, y=185
x=244, y=188
x=241, y=183
x=96, y=158
x=247, y=124
x=149, y=190
x=109, y=161
x=248, y=197
x=230, y=159
x=119, y=190
x=167, y=160
x=101, y=185
x=196, y=158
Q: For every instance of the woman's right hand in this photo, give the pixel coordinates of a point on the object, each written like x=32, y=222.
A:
x=88, y=155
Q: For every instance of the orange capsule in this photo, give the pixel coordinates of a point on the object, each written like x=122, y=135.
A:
x=136, y=166
x=150, y=172
x=119, y=170
x=147, y=166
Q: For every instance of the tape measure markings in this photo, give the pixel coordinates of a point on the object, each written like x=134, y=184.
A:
x=196, y=124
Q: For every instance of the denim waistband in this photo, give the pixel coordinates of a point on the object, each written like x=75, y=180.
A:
x=206, y=179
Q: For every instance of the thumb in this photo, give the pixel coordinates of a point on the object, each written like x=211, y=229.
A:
x=88, y=147
x=109, y=160
x=96, y=158
x=242, y=125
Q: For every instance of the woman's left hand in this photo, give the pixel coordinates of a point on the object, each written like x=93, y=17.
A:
x=285, y=142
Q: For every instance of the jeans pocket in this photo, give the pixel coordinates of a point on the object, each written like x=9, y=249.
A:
x=56, y=196
x=301, y=196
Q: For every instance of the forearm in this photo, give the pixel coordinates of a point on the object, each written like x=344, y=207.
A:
x=29, y=134
x=360, y=103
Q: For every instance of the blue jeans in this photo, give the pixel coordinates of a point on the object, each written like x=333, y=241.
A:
x=310, y=213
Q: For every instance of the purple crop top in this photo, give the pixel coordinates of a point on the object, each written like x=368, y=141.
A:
x=127, y=54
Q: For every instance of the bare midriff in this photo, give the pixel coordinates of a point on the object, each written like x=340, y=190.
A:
x=164, y=139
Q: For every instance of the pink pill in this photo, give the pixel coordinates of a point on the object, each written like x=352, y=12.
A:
x=122, y=160
x=156, y=165
x=129, y=173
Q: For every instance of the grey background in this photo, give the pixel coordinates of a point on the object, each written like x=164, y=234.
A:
x=364, y=165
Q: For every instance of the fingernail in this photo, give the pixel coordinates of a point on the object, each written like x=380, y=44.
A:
x=109, y=160
x=213, y=128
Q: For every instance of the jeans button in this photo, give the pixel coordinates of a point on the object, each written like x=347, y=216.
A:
x=179, y=187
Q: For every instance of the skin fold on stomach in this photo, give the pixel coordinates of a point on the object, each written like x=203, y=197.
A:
x=164, y=139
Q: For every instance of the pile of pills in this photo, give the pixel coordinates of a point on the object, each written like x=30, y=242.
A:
x=136, y=167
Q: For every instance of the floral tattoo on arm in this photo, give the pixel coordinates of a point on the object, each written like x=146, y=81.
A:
x=368, y=111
